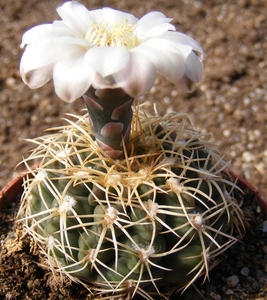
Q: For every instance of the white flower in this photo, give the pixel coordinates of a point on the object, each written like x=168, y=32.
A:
x=106, y=48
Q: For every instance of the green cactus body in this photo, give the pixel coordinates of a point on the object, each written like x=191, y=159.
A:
x=136, y=225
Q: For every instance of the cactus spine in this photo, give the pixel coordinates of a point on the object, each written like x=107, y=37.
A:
x=159, y=216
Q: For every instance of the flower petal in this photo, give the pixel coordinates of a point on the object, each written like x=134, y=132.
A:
x=138, y=77
x=104, y=83
x=194, y=67
x=72, y=77
x=61, y=29
x=50, y=50
x=37, y=34
x=182, y=39
x=107, y=60
x=176, y=62
x=76, y=16
x=165, y=56
x=36, y=68
x=37, y=78
x=153, y=24
x=112, y=16
x=186, y=84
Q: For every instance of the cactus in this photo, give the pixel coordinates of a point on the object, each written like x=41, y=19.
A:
x=158, y=217
x=126, y=203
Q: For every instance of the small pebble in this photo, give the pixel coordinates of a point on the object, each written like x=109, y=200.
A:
x=244, y=271
x=229, y=292
x=10, y=81
x=248, y=157
x=232, y=281
x=215, y=296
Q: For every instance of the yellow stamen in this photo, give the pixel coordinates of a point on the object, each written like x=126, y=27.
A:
x=104, y=35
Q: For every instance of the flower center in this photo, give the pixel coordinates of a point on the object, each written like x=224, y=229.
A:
x=105, y=35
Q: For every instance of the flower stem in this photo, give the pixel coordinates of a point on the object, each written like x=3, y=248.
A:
x=110, y=116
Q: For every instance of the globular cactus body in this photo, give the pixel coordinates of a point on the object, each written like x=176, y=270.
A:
x=158, y=217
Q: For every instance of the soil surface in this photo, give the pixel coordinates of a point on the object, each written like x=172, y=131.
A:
x=230, y=104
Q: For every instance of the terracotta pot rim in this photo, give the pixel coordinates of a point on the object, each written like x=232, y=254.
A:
x=245, y=185
x=11, y=190
x=14, y=187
